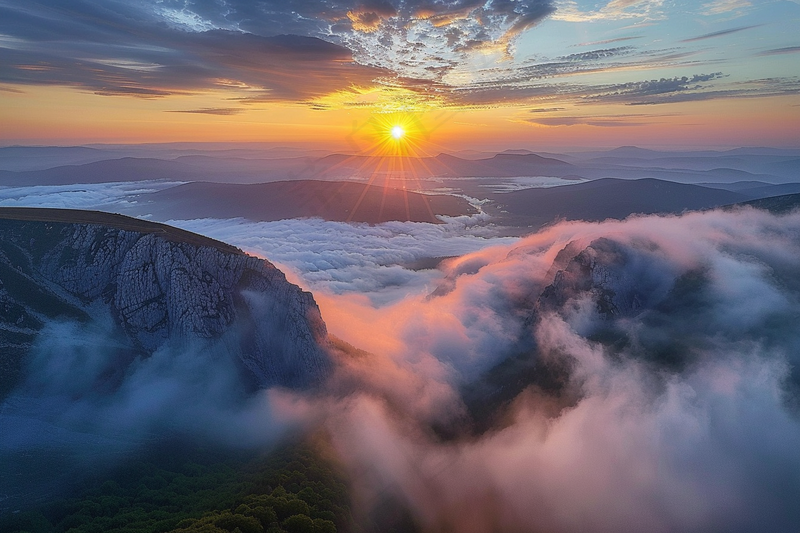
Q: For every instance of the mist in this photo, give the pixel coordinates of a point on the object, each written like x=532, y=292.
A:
x=614, y=376
x=678, y=411
x=89, y=404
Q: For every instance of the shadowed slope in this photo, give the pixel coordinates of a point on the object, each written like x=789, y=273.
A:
x=338, y=201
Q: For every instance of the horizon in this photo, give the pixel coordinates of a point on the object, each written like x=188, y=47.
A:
x=333, y=149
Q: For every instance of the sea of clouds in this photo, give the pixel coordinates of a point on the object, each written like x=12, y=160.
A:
x=676, y=408
x=685, y=420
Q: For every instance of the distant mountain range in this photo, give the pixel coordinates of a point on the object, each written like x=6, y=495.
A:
x=605, y=198
x=277, y=183
x=777, y=204
x=332, y=200
x=63, y=165
x=358, y=202
x=331, y=167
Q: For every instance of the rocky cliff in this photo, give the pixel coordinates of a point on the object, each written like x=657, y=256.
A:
x=159, y=286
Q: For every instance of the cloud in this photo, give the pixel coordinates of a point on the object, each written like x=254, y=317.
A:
x=128, y=50
x=324, y=54
x=676, y=412
x=338, y=257
x=155, y=49
x=654, y=88
x=697, y=87
x=721, y=7
x=718, y=34
x=224, y=111
x=778, y=51
x=601, y=122
x=569, y=11
x=609, y=41
x=105, y=388
x=90, y=401
x=424, y=40
x=113, y=197
x=613, y=376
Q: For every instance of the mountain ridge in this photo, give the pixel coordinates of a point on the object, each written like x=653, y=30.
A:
x=159, y=290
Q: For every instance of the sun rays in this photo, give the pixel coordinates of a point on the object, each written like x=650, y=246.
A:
x=397, y=152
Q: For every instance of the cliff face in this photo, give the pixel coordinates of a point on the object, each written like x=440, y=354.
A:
x=159, y=285
x=619, y=281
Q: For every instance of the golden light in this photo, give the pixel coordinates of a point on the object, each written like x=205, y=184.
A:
x=399, y=156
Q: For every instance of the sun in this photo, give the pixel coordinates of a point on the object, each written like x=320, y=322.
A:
x=398, y=132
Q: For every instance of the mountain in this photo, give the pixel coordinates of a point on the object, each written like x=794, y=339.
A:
x=737, y=186
x=124, y=169
x=339, y=201
x=606, y=198
x=776, y=204
x=223, y=168
x=159, y=287
x=21, y=158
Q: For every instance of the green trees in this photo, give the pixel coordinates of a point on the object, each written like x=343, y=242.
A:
x=291, y=490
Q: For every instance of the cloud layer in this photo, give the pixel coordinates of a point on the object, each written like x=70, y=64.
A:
x=678, y=411
x=616, y=376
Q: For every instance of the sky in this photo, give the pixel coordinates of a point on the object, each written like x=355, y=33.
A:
x=470, y=74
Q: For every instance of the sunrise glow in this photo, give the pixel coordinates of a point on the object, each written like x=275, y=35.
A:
x=545, y=74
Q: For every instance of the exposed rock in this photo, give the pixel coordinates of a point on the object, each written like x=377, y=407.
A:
x=158, y=287
x=619, y=281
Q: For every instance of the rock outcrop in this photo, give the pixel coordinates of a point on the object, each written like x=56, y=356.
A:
x=159, y=285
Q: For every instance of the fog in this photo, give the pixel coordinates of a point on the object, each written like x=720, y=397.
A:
x=679, y=410
x=654, y=385
x=341, y=257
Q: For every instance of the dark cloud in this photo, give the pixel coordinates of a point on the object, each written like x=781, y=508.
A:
x=719, y=33
x=603, y=122
x=642, y=89
x=610, y=41
x=121, y=50
x=211, y=111
x=154, y=49
x=299, y=50
x=777, y=51
x=698, y=87
x=530, y=81
x=595, y=55
x=752, y=89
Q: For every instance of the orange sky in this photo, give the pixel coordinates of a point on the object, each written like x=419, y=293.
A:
x=62, y=116
x=545, y=74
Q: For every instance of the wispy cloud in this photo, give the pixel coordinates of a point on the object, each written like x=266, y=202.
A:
x=569, y=11
x=721, y=7
x=211, y=111
x=615, y=121
x=718, y=33
x=104, y=50
x=778, y=51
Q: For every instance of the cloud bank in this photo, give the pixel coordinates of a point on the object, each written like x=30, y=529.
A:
x=615, y=376
x=675, y=408
x=338, y=257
